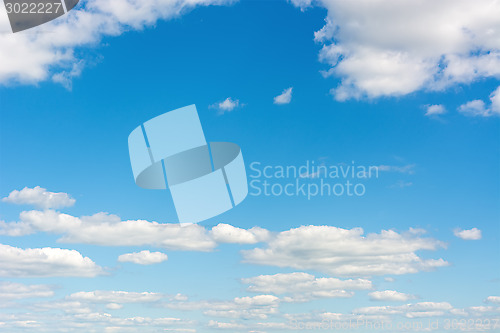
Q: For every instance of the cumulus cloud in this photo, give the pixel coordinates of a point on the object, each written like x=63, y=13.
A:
x=39, y=197
x=226, y=105
x=389, y=295
x=471, y=234
x=225, y=233
x=143, y=257
x=477, y=108
x=345, y=252
x=45, y=262
x=393, y=48
x=303, y=286
x=35, y=55
x=434, y=110
x=109, y=230
x=285, y=97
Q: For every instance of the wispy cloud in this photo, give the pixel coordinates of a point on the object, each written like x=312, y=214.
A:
x=401, y=184
x=285, y=97
x=15, y=291
x=409, y=168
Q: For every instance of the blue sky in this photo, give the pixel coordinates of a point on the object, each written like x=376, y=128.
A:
x=419, y=102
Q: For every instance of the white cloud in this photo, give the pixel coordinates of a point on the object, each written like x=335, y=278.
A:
x=256, y=307
x=408, y=169
x=108, y=230
x=303, y=286
x=417, y=310
x=222, y=325
x=495, y=101
x=15, y=229
x=35, y=55
x=471, y=234
x=39, y=197
x=302, y=4
x=493, y=299
x=478, y=107
x=225, y=233
x=143, y=257
x=401, y=184
x=54, y=317
x=389, y=295
x=114, y=306
x=474, y=108
x=434, y=110
x=393, y=48
x=117, y=297
x=226, y=105
x=15, y=291
x=285, y=97
x=45, y=262
x=344, y=252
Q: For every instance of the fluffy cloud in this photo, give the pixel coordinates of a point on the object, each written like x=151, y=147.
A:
x=471, y=234
x=390, y=295
x=36, y=56
x=226, y=105
x=344, y=252
x=225, y=233
x=478, y=107
x=14, y=291
x=393, y=48
x=143, y=257
x=44, y=262
x=108, y=230
x=39, y=197
x=434, y=110
x=303, y=286
x=285, y=97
